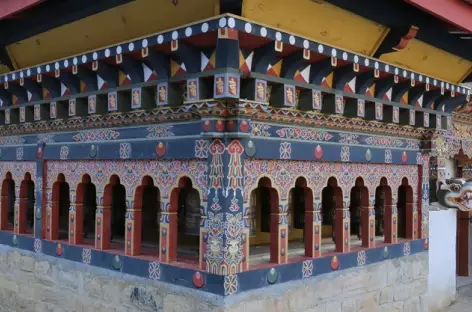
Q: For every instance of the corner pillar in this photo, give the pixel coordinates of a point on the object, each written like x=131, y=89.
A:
x=224, y=220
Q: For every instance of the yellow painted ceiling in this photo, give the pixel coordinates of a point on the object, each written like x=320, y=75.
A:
x=319, y=21
x=429, y=60
x=327, y=23
x=125, y=22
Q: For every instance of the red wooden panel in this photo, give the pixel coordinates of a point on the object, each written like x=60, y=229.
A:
x=456, y=12
x=9, y=7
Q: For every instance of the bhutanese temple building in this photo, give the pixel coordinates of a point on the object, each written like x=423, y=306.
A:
x=234, y=155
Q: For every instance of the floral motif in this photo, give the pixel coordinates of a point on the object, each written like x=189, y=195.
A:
x=215, y=206
x=304, y=134
x=217, y=148
x=12, y=140
x=307, y=268
x=154, y=270
x=412, y=144
x=285, y=150
x=235, y=172
x=406, y=249
x=419, y=158
x=345, y=154
x=96, y=135
x=388, y=156
x=201, y=149
x=37, y=245
x=348, y=138
x=64, y=152
x=260, y=129
x=45, y=138
x=165, y=173
x=125, y=150
x=160, y=131
x=86, y=256
x=361, y=258
x=231, y=284
x=19, y=153
x=39, y=185
x=383, y=141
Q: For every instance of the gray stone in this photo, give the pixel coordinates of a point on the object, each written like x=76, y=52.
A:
x=32, y=282
x=412, y=305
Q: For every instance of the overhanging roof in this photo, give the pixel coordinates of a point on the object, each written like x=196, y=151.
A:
x=456, y=12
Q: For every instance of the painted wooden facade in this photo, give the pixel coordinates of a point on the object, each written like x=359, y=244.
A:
x=263, y=133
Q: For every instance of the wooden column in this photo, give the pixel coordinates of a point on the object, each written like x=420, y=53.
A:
x=463, y=259
x=312, y=226
x=169, y=229
x=278, y=230
x=368, y=226
x=343, y=223
x=52, y=213
x=133, y=225
x=103, y=220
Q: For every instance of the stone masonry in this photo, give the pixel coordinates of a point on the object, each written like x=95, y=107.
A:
x=33, y=282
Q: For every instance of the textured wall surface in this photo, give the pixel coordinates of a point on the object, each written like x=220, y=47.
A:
x=31, y=282
x=442, y=260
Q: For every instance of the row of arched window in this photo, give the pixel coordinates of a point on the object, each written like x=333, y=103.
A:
x=262, y=201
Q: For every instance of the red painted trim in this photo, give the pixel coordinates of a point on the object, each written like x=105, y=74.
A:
x=456, y=12
x=10, y=7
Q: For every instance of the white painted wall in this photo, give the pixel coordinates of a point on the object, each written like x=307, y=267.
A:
x=442, y=258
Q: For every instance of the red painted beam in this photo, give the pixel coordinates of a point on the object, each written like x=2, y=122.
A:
x=455, y=12
x=10, y=7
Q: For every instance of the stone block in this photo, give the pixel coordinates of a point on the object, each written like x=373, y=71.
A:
x=386, y=295
x=350, y=305
x=27, y=264
x=69, y=280
x=369, y=301
x=401, y=292
x=412, y=305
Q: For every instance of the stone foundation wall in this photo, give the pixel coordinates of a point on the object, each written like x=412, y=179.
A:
x=33, y=282
x=398, y=285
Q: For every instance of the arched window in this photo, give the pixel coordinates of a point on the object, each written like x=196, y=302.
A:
x=89, y=201
x=118, y=210
x=27, y=202
x=63, y=206
x=8, y=202
x=150, y=212
x=328, y=206
x=188, y=220
x=405, y=210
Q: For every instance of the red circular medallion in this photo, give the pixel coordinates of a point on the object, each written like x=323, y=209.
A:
x=206, y=125
x=318, y=152
x=198, y=280
x=160, y=149
x=243, y=126
x=404, y=157
x=59, y=250
x=39, y=152
x=220, y=125
x=334, y=263
x=230, y=125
